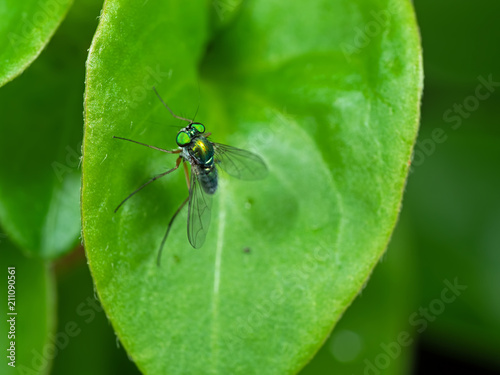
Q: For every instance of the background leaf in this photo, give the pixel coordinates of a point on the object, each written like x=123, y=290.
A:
x=452, y=191
x=40, y=148
x=336, y=128
x=458, y=47
x=35, y=308
x=468, y=236
x=26, y=28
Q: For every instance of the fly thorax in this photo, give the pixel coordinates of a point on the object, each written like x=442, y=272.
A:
x=203, y=151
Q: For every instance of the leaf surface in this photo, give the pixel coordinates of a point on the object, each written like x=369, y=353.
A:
x=284, y=256
x=378, y=332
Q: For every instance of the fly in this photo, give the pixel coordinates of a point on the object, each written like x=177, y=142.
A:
x=205, y=157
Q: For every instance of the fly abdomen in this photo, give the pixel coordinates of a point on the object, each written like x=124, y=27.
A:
x=207, y=176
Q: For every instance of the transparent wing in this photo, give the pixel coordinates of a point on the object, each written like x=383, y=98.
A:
x=239, y=163
x=200, y=206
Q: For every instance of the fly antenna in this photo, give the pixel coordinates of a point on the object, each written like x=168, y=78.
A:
x=171, y=112
x=159, y=123
x=199, y=99
x=197, y=108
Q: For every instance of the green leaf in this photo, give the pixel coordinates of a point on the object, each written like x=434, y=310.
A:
x=35, y=307
x=26, y=28
x=375, y=335
x=40, y=141
x=335, y=127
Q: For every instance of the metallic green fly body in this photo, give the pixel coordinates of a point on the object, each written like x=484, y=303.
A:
x=204, y=157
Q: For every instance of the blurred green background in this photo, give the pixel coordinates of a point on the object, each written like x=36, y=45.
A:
x=449, y=232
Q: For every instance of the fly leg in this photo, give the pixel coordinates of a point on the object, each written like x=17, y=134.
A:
x=186, y=173
x=171, y=112
x=178, y=151
x=179, y=159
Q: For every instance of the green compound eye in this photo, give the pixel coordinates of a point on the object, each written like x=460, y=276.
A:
x=183, y=139
x=199, y=127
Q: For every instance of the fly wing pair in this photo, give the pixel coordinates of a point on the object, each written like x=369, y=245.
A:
x=238, y=163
